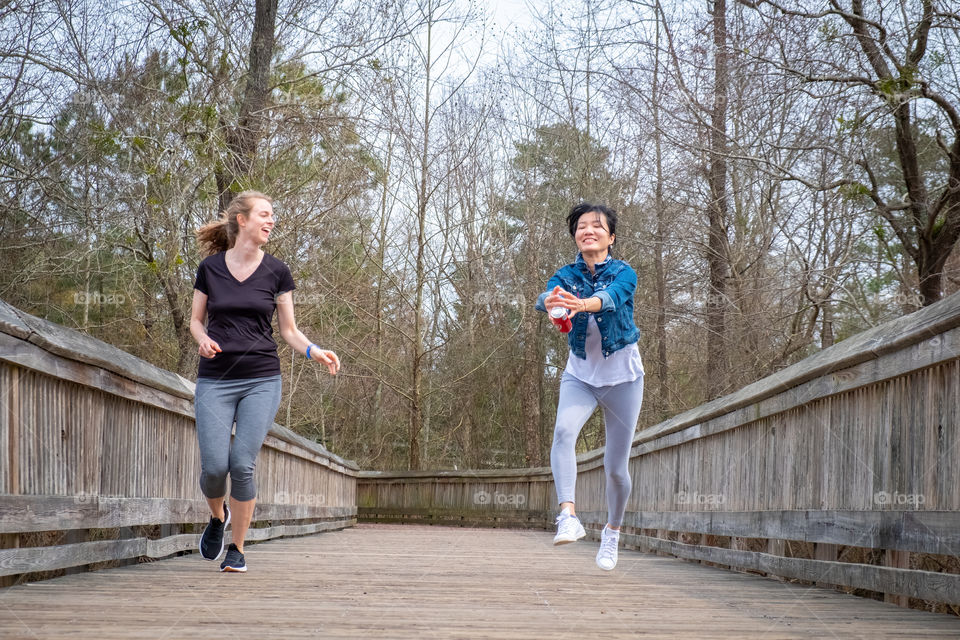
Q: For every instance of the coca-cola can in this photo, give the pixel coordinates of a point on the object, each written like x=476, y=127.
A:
x=561, y=317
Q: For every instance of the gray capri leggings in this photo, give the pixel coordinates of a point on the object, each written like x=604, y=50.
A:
x=621, y=408
x=253, y=404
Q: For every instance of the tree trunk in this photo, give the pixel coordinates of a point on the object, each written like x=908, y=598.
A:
x=379, y=333
x=416, y=374
x=826, y=326
x=243, y=139
x=931, y=279
x=717, y=210
x=660, y=330
x=416, y=411
x=531, y=372
x=181, y=326
x=530, y=387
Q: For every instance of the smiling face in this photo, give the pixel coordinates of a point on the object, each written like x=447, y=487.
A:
x=258, y=224
x=592, y=234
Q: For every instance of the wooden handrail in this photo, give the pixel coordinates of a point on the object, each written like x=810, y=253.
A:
x=858, y=445
x=96, y=442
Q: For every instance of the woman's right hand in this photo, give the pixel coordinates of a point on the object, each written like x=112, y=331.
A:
x=209, y=347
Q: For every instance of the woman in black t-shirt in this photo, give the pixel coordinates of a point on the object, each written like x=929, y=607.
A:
x=238, y=287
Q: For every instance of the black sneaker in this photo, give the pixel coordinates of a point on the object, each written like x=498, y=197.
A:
x=234, y=561
x=211, y=542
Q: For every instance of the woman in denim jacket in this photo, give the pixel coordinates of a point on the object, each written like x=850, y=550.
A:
x=603, y=368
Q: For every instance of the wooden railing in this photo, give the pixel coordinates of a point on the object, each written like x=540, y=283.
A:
x=843, y=469
x=513, y=498
x=99, y=460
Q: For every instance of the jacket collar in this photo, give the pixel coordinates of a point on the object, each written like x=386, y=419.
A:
x=599, y=267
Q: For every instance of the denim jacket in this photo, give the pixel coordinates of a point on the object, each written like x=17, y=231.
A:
x=615, y=283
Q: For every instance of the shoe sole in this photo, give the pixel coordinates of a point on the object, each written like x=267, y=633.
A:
x=233, y=570
x=562, y=541
x=222, y=545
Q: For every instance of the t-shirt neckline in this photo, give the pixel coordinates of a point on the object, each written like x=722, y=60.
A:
x=252, y=273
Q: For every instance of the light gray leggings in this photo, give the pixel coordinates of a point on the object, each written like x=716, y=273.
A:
x=621, y=408
x=253, y=404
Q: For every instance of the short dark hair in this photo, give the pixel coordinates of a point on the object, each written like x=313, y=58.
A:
x=585, y=207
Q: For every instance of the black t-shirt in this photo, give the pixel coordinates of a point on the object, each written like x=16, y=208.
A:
x=239, y=316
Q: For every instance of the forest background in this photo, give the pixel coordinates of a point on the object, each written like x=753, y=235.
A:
x=786, y=175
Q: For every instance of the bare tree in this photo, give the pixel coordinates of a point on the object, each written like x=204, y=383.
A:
x=660, y=207
x=887, y=55
x=242, y=139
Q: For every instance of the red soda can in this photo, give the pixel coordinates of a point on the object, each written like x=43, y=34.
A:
x=561, y=317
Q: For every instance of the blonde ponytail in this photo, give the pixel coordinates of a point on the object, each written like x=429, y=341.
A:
x=221, y=234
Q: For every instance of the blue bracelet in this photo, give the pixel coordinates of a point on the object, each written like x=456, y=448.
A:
x=310, y=346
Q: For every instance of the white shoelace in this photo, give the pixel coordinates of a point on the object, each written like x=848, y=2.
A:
x=608, y=546
x=566, y=525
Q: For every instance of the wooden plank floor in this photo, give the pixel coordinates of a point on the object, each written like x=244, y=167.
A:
x=403, y=581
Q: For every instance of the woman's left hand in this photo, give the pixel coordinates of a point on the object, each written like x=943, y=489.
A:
x=571, y=302
x=328, y=358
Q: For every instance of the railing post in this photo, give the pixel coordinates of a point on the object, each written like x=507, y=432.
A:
x=776, y=547
x=9, y=541
x=13, y=422
x=44, y=369
x=828, y=552
x=898, y=560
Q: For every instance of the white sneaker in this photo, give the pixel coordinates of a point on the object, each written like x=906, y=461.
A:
x=569, y=528
x=607, y=555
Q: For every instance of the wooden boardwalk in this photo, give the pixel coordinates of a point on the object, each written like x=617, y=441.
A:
x=404, y=581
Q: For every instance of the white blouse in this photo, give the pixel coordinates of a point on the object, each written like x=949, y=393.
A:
x=623, y=365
